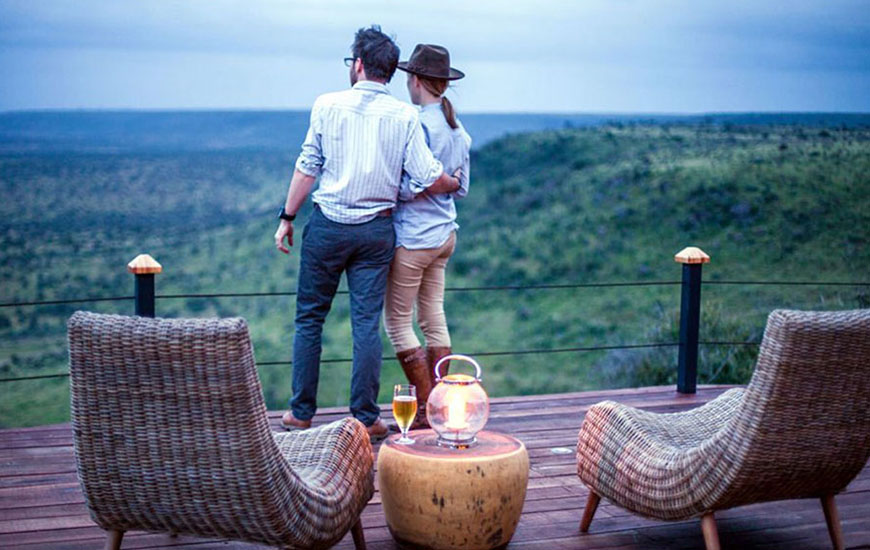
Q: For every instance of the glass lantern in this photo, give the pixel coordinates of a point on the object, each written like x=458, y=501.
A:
x=458, y=406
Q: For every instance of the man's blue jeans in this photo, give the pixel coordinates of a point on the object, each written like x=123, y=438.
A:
x=364, y=251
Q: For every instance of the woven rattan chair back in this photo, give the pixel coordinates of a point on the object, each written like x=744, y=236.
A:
x=804, y=427
x=171, y=432
x=800, y=429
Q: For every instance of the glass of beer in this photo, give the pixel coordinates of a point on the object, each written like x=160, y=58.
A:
x=404, y=409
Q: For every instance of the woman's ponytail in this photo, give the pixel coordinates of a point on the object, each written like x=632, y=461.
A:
x=437, y=87
x=449, y=112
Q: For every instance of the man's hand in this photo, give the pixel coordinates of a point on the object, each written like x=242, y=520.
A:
x=285, y=229
x=300, y=185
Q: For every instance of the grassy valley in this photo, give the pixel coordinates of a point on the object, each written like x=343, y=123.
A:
x=609, y=203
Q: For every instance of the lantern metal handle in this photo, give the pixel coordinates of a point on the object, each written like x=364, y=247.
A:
x=457, y=357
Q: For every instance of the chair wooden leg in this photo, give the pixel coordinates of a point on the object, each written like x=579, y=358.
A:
x=832, y=517
x=113, y=539
x=359, y=539
x=589, y=512
x=711, y=534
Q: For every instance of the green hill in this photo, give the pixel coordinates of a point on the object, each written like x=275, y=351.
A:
x=609, y=204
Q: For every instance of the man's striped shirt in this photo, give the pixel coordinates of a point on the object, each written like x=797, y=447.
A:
x=360, y=141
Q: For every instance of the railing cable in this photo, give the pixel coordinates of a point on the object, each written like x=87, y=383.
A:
x=63, y=302
x=392, y=358
x=478, y=354
x=448, y=289
x=708, y=343
x=788, y=283
x=503, y=353
x=293, y=293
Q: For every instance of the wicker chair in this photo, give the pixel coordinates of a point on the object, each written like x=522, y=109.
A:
x=171, y=434
x=800, y=429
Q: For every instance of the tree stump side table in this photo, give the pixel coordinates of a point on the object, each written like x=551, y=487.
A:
x=444, y=499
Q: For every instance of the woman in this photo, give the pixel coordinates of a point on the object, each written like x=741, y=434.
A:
x=425, y=223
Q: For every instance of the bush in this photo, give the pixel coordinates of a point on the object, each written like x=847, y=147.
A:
x=717, y=364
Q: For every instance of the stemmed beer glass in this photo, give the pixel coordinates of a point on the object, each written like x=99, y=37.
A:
x=404, y=410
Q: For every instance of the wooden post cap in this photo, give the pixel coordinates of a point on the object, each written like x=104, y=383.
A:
x=143, y=264
x=692, y=255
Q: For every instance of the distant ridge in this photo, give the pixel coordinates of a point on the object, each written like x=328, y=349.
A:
x=89, y=131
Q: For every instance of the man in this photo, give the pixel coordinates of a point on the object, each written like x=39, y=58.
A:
x=360, y=141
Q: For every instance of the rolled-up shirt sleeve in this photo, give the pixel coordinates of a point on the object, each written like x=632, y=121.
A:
x=407, y=190
x=310, y=160
x=419, y=163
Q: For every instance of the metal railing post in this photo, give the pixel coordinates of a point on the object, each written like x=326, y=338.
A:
x=693, y=259
x=144, y=267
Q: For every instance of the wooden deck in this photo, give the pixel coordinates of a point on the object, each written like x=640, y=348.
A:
x=41, y=506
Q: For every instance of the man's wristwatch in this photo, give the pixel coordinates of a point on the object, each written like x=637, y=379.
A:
x=285, y=216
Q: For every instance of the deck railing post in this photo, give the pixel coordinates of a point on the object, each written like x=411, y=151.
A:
x=693, y=259
x=144, y=267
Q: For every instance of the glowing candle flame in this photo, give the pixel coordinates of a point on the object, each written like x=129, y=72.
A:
x=456, y=413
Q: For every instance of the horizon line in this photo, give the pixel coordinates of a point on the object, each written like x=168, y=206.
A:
x=167, y=110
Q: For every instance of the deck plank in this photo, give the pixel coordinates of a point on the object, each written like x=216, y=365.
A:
x=41, y=505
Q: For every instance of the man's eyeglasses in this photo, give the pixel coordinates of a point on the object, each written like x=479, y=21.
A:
x=348, y=61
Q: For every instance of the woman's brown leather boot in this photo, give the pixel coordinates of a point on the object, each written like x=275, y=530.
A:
x=433, y=355
x=416, y=369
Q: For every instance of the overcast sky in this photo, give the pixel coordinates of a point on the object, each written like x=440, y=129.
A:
x=536, y=56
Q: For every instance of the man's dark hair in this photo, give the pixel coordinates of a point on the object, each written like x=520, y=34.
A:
x=378, y=52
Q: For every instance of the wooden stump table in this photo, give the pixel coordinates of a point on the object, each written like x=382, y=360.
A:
x=442, y=498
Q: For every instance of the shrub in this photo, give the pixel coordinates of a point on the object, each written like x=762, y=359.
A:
x=717, y=364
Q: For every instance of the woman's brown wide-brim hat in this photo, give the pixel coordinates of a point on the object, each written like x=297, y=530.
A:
x=431, y=61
